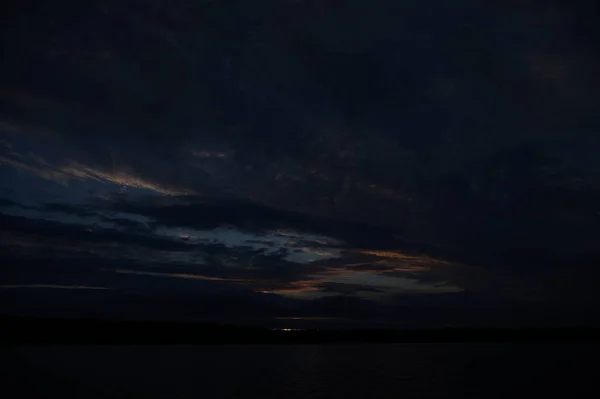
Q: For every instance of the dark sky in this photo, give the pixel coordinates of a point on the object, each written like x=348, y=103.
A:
x=301, y=162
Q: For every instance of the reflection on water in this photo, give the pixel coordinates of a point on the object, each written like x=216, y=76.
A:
x=304, y=371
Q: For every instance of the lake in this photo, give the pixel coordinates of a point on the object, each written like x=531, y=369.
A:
x=303, y=371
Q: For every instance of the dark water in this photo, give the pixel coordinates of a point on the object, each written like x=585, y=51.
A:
x=308, y=371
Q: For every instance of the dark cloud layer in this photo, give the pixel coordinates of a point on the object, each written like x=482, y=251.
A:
x=320, y=158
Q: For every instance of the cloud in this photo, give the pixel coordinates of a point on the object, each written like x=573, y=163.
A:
x=286, y=261
x=258, y=248
x=175, y=275
x=72, y=170
x=432, y=153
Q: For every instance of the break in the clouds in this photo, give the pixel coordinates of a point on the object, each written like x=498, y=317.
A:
x=396, y=162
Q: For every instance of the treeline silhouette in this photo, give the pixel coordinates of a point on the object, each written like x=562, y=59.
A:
x=51, y=330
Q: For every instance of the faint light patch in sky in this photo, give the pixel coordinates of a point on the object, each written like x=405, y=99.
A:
x=209, y=154
x=400, y=256
x=376, y=286
x=29, y=189
x=187, y=276
x=298, y=245
x=130, y=216
x=393, y=283
x=120, y=177
x=301, y=289
x=307, y=254
x=63, y=170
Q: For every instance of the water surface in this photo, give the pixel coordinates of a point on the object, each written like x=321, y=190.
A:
x=304, y=371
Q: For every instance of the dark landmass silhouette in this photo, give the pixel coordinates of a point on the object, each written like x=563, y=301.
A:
x=87, y=331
